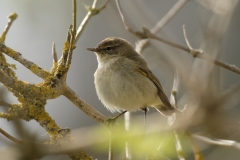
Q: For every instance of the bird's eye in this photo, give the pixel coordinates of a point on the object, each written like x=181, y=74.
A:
x=109, y=48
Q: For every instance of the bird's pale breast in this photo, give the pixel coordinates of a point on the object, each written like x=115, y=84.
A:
x=122, y=87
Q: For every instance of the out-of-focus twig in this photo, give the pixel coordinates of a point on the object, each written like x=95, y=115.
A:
x=15, y=140
x=127, y=27
x=5, y=104
x=197, y=154
x=19, y=141
x=141, y=44
x=195, y=52
x=173, y=101
x=218, y=142
x=91, y=12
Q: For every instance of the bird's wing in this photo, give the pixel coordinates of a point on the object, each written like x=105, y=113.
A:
x=161, y=93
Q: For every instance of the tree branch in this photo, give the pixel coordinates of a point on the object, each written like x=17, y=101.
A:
x=195, y=52
x=141, y=44
x=91, y=12
x=5, y=104
x=89, y=110
x=218, y=142
x=40, y=72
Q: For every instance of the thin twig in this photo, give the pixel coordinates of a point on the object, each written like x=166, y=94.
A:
x=173, y=101
x=186, y=39
x=54, y=53
x=11, y=18
x=40, y=72
x=218, y=142
x=179, y=148
x=196, y=52
x=15, y=140
x=91, y=11
x=89, y=110
x=19, y=141
x=5, y=104
x=110, y=147
x=72, y=34
x=197, y=154
x=127, y=117
x=74, y=2
x=127, y=27
x=141, y=44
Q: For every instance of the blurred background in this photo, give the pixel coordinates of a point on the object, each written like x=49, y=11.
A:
x=40, y=23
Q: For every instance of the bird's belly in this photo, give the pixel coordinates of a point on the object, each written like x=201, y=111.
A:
x=125, y=90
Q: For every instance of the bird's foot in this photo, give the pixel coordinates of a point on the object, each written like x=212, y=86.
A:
x=111, y=121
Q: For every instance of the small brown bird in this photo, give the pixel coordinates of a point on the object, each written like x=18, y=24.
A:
x=123, y=80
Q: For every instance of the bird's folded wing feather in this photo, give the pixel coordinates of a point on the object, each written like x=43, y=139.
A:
x=147, y=73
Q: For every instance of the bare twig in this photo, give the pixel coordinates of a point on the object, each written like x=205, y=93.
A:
x=74, y=23
x=11, y=18
x=5, y=104
x=72, y=33
x=141, y=44
x=196, y=53
x=127, y=27
x=173, y=101
x=179, y=148
x=89, y=110
x=54, y=53
x=91, y=12
x=218, y=142
x=186, y=39
x=15, y=140
x=127, y=117
x=197, y=154
x=40, y=72
x=110, y=147
x=21, y=142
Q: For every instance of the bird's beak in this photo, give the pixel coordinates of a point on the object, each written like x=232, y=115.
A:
x=92, y=49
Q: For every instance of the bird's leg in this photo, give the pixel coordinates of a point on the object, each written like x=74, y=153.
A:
x=145, y=110
x=111, y=121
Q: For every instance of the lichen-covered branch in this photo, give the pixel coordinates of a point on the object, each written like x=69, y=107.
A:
x=11, y=19
x=32, y=97
x=28, y=64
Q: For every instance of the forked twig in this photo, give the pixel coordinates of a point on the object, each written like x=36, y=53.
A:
x=141, y=44
x=91, y=11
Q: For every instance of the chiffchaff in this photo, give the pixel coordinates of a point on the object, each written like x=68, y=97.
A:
x=123, y=80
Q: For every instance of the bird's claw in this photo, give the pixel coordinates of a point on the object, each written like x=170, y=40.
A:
x=110, y=122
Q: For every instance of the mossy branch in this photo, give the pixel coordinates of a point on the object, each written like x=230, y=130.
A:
x=32, y=97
